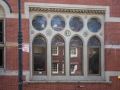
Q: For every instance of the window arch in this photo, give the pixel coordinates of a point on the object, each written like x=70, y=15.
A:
x=94, y=53
x=58, y=57
x=39, y=45
x=76, y=54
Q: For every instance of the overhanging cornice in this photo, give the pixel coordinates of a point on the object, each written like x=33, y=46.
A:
x=66, y=10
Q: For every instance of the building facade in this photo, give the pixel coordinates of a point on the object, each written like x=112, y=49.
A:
x=67, y=45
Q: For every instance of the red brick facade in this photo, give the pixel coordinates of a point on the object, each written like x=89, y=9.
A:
x=10, y=83
x=112, y=56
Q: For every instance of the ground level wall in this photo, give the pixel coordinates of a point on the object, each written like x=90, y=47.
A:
x=11, y=83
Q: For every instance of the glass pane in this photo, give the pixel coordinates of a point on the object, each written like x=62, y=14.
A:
x=94, y=61
x=57, y=41
x=76, y=41
x=94, y=25
x=76, y=54
x=39, y=23
x=39, y=56
x=58, y=23
x=58, y=58
x=55, y=68
x=1, y=57
x=39, y=40
x=1, y=31
x=76, y=24
x=94, y=42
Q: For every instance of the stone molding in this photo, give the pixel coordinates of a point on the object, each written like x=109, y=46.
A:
x=67, y=10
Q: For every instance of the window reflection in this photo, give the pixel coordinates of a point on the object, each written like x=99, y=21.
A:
x=94, y=25
x=76, y=24
x=58, y=59
x=76, y=56
x=94, y=56
x=58, y=23
x=39, y=56
x=39, y=23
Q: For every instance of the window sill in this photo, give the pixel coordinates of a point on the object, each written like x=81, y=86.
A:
x=30, y=82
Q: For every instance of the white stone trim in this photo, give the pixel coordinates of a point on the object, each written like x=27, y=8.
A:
x=111, y=73
x=112, y=46
x=15, y=72
x=5, y=7
x=72, y=6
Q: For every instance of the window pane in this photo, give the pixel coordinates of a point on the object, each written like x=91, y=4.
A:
x=1, y=57
x=75, y=41
x=58, y=23
x=59, y=59
x=39, y=56
x=76, y=54
x=39, y=23
x=1, y=31
x=76, y=24
x=39, y=40
x=94, y=62
x=94, y=56
x=55, y=68
x=94, y=24
x=54, y=50
x=57, y=41
x=94, y=42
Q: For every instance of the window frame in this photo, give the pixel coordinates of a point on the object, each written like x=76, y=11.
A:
x=76, y=52
x=84, y=35
x=55, y=72
x=57, y=50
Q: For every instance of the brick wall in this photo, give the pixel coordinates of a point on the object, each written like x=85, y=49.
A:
x=112, y=37
x=12, y=30
x=12, y=49
x=112, y=62
x=114, y=4
x=10, y=83
x=112, y=33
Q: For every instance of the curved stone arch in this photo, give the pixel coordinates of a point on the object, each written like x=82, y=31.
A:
x=5, y=5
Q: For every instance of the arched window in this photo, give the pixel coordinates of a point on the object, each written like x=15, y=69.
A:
x=94, y=50
x=76, y=54
x=39, y=56
x=58, y=57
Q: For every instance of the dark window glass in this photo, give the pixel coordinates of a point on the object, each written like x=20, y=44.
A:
x=94, y=56
x=76, y=24
x=94, y=25
x=1, y=31
x=39, y=56
x=39, y=23
x=94, y=42
x=59, y=57
x=76, y=54
x=1, y=57
x=58, y=23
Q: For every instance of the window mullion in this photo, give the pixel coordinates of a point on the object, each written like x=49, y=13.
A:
x=85, y=58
